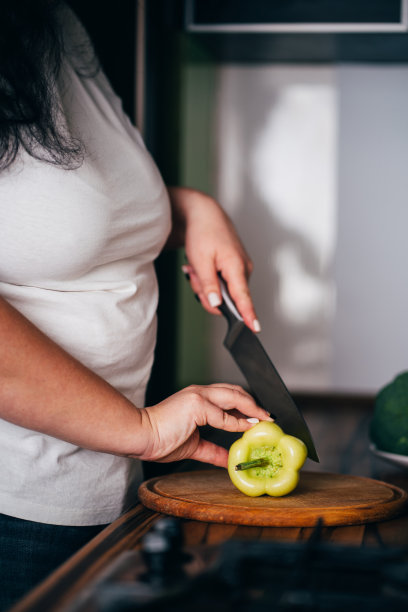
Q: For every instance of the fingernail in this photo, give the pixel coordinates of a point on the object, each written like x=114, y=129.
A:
x=214, y=299
x=257, y=326
x=269, y=418
x=186, y=272
x=253, y=420
x=197, y=298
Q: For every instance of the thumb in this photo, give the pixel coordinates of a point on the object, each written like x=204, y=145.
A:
x=208, y=452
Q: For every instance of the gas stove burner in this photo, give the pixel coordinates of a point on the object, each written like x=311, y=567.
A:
x=249, y=576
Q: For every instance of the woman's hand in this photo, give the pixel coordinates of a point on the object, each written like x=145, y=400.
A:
x=170, y=428
x=212, y=245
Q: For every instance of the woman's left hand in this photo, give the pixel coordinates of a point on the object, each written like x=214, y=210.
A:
x=212, y=245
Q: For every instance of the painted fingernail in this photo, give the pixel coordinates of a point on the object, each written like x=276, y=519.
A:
x=257, y=326
x=214, y=299
x=253, y=420
x=186, y=271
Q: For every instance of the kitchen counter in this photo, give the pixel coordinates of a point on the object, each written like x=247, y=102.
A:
x=340, y=429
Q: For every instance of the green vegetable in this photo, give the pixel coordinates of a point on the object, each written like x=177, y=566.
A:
x=389, y=426
x=266, y=460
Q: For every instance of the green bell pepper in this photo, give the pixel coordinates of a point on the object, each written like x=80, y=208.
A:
x=266, y=460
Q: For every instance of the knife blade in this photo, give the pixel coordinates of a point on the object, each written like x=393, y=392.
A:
x=263, y=379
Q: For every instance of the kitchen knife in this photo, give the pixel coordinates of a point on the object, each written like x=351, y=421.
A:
x=263, y=379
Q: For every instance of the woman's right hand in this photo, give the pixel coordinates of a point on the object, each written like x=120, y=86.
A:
x=171, y=427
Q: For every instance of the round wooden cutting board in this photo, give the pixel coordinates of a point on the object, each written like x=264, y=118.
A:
x=338, y=499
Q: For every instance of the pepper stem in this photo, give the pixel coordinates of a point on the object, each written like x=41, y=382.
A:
x=247, y=465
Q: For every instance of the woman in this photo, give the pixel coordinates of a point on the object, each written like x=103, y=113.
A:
x=83, y=215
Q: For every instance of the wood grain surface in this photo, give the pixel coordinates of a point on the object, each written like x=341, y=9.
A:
x=337, y=499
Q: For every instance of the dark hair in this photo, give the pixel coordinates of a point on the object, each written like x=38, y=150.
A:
x=31, y=51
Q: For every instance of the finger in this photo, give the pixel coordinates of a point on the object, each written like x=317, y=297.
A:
x=208, y=452
x=237, y=282
x=233, y=387
x=206, y=284
x=186, y=269
x=190, y=275
x=234, y=399
x=196, y=284
x=239, y=415
x=198, y=289
x=221, y=419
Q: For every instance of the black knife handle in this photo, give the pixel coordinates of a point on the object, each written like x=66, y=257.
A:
x=227, y=307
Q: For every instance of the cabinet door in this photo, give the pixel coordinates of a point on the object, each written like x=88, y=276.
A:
x=296, y=15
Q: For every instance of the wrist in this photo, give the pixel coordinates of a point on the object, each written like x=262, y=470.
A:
x=186, y=203
x=144, y=443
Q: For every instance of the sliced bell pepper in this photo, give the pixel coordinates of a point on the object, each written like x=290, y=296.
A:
x=266, y=460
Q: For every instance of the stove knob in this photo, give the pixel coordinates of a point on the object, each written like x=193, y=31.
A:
x=162, y=562
x=170, y=528
x=156, y=553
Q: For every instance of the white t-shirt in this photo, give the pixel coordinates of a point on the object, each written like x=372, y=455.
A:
x=76, y=258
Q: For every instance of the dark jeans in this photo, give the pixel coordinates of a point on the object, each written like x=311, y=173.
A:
x=30, y=551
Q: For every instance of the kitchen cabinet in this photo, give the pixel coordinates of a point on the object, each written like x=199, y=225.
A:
x=299, y=31
x=295, y=15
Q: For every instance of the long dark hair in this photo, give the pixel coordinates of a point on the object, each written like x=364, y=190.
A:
x=31, y=51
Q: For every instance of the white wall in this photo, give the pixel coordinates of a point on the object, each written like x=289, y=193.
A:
x=311, y=165
x=370, y=335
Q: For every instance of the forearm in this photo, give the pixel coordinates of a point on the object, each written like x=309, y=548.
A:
x=45, y=389
x=188, y=205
